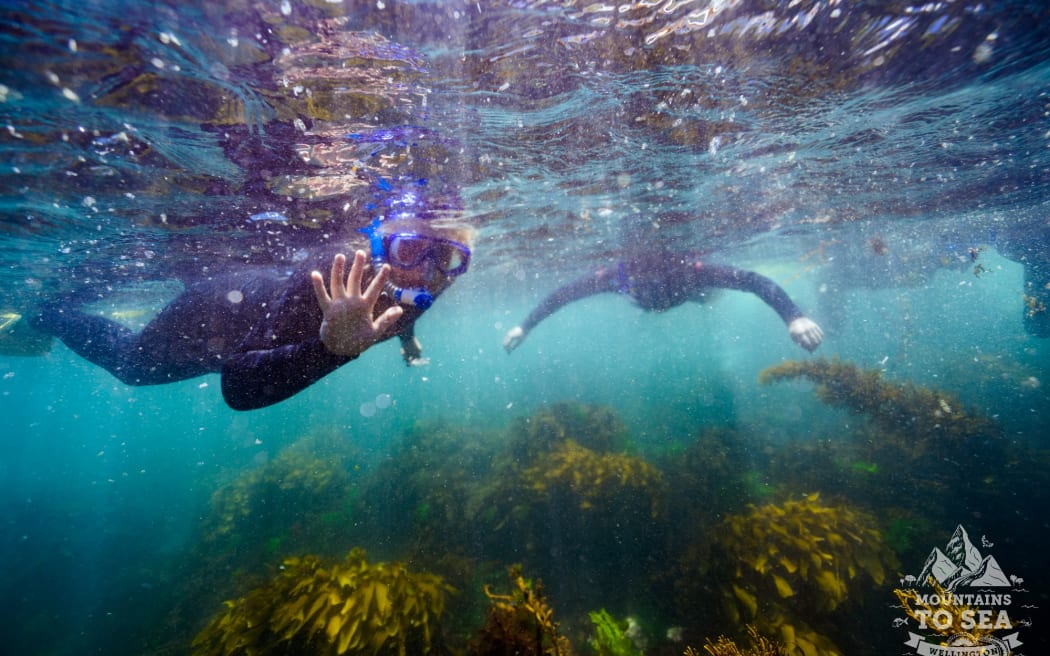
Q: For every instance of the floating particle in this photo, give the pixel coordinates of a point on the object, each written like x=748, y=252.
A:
x=268, y=216
x=167, y=38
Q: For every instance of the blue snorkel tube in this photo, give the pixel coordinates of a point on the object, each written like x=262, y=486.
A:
x=416, y=297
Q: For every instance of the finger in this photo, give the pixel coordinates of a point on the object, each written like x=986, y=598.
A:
x=386, y=320
x=338, y=266
x=812, y=342
x=375, y=288
x=323, y=299
x=353, y=283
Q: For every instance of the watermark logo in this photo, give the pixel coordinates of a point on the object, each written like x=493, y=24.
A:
x=962, y=603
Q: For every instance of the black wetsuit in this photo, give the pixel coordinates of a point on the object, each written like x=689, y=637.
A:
x=662, y=282
x=259, y=330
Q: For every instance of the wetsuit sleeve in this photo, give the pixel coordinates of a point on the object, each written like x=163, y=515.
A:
x=748, y=281
x=256, y=379
x=411, y=350
x=599, y=282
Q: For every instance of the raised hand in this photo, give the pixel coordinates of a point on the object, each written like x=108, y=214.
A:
x=348, y=327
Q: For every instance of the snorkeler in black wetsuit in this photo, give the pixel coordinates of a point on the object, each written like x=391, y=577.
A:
x=270, y=337
x=662, y=281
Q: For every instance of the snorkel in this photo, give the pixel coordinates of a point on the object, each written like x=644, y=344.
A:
x=413, y=296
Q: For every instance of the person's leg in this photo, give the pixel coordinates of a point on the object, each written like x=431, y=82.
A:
x=133, y=358
x=190, y=337
x=17, y=337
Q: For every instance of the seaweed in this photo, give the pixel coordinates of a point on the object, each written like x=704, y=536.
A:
x=349, y=607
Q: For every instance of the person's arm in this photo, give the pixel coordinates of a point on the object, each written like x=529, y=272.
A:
x=256, y=379
x=603, y=280
x=411, y=349
x=804, y=331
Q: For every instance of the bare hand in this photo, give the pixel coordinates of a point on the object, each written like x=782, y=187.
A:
x=806, y=333
x=348, y=327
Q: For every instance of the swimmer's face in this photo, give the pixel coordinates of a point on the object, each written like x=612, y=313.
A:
x=426, y=275
x=421, y=256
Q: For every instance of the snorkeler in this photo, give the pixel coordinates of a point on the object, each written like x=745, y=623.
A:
x=272, y=336
x=662, y=281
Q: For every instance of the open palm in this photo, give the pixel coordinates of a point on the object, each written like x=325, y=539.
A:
x=348, y=327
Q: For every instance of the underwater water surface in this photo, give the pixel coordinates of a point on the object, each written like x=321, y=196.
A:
x=657, y=479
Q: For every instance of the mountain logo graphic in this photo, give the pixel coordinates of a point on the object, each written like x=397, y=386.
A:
x=960, y=603
x=961, y=565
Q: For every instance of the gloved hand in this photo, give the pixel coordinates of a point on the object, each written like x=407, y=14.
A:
x=806, y=333
x=513, y=339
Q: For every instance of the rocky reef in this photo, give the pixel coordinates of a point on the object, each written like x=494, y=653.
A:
x=739, y=542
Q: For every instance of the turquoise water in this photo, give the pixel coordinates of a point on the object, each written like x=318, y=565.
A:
x=887, y=165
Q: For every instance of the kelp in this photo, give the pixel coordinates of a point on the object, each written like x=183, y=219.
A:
x=760, y=646
x=783, y=562
x=924, y=414
x=520, y=622
x=349, y=607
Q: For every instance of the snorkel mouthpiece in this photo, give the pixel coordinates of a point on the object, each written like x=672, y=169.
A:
x=415, y=297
